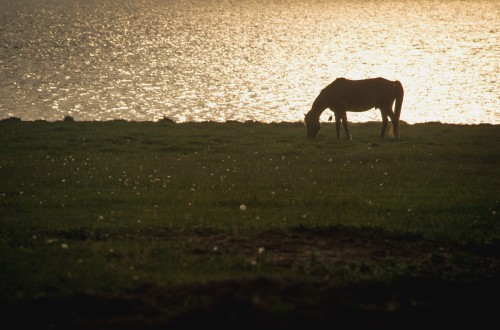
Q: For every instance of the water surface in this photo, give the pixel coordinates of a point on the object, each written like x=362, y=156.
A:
x=258, y=60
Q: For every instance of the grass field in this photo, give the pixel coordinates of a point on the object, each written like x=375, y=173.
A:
x=146, y=225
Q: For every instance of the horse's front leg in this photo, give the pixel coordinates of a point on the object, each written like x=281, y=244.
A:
x=338, y=118
x=346, y=128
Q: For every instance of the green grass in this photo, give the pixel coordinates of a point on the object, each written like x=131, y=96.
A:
x=97, y=208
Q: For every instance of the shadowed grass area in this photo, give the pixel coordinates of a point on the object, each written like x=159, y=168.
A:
x=102, y=208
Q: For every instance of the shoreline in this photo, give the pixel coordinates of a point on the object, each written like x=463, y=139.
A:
x=170, y=121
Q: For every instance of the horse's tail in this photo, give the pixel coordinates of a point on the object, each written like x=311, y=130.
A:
x=399, y=98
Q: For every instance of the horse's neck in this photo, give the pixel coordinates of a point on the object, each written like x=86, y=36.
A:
x=316, y=111
x=319, y=105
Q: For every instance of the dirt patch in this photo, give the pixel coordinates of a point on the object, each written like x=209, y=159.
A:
x=370, y=251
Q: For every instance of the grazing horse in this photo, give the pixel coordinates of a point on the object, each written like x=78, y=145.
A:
x=344, y=95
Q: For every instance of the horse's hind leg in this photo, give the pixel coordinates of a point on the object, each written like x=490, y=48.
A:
x=394, y=121
x=384, y=123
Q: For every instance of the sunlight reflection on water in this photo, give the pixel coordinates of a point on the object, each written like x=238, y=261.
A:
x=244, y=60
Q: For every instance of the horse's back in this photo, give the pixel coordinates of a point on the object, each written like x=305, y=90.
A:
x=372, y=83
x=360, y=95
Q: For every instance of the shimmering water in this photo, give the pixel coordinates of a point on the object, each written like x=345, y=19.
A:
x=244, y=59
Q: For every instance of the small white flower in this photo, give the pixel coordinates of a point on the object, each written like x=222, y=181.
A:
x=64, y=246
x=243, y=207
x=261, y=250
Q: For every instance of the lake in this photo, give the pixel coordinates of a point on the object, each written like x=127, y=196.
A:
x=207, y=60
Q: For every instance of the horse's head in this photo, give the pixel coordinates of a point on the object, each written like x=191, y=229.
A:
x=312, y=124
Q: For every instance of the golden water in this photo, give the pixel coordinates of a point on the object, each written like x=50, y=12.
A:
x=244, y=60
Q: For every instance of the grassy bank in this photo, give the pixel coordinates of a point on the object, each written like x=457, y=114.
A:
x=115, y=209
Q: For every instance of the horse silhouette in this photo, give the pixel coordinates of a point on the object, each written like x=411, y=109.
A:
x=344, y=95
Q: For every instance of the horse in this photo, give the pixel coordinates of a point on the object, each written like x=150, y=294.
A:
x=344, y=95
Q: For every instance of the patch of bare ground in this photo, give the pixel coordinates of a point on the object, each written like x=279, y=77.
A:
x=398, y=281
x=371, y=251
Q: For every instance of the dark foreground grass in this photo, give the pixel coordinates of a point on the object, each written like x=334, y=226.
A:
x=147, y=225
